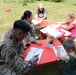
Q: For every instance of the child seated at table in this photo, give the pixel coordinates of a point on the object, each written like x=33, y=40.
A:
x=69, y=64
x=69, y=25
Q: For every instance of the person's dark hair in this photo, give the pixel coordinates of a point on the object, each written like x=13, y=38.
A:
x=40, y=11
x=26, y=14
x=22, y=25
x=69, y=44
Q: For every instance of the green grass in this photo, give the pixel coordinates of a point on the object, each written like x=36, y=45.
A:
x=56, y=12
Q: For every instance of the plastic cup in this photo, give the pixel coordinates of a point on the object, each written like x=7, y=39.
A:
x=49, y=45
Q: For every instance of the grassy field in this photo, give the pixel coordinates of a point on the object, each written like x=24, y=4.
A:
x=56, y=12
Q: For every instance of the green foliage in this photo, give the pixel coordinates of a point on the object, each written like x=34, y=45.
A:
x=26, y=1
x=43, y=0
x=56, y=0
x=52, y=0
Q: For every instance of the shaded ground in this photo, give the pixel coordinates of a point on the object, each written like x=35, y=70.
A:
x=51, y=69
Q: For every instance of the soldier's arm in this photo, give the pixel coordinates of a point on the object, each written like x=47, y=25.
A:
x=31, y=38
x=11, y=58
x=20, y=50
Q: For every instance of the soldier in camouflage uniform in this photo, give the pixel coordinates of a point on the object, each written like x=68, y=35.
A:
x=11, y=50
x=27, y=16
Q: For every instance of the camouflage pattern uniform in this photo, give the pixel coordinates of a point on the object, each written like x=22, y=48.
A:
x=31, y=35
x=11, y=52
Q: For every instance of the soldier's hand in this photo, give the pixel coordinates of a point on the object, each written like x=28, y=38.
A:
x=39, y=43
x=36, y=58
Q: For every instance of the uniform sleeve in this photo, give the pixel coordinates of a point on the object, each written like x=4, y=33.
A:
x=20, y=49
x=31, y=38
x=11, y=58
x=32, y=32
x=31, y=35
x=38, y=28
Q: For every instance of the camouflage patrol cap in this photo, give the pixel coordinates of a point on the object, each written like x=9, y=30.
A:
x=21, y=24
